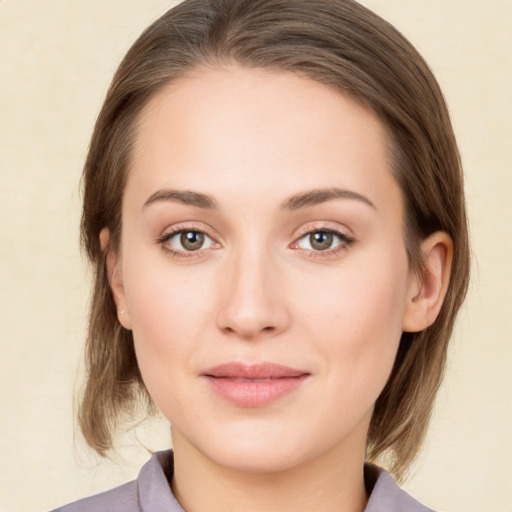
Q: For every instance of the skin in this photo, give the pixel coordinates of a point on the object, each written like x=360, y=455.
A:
x=258, y=291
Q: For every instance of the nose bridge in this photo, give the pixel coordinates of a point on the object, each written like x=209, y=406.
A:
x=251, y=302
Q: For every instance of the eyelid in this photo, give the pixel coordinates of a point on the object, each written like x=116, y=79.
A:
x=332, y=227
x=188, y=226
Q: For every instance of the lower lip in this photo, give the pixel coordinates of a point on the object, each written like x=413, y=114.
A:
x=254, y=393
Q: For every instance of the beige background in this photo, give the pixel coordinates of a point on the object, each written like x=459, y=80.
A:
x=56, y=60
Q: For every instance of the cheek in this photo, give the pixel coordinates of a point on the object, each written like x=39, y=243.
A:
x=356, y=321
x=163, y=305
x=169, y=311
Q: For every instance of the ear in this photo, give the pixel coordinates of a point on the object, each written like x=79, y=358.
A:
x=115, y=278
x=427, y=288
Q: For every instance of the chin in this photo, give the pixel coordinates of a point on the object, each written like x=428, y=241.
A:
x=247, y=446
x=258, y=457
x=271, y=446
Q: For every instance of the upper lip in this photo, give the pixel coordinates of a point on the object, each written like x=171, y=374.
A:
x=236, y=370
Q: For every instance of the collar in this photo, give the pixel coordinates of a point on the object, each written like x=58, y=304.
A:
x=155, y=493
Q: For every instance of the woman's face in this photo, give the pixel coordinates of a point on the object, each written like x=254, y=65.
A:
x=262, y=266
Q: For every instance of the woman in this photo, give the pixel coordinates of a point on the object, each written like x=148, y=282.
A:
x=273, y=205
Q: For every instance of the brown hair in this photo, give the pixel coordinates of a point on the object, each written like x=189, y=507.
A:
x=335, y=42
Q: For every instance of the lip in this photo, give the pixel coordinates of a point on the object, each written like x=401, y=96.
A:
x=253, y=385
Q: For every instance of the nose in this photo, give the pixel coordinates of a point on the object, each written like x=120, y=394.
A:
x=252, y=297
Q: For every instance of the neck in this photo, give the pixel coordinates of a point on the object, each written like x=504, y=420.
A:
x=331, y=482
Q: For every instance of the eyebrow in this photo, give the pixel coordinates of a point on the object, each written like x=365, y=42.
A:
x=187, y=197
x=322, y=195
x=295, y=202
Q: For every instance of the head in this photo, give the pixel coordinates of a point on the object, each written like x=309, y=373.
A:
x=353, y=53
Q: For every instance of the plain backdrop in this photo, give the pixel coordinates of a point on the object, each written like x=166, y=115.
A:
x=56, y=60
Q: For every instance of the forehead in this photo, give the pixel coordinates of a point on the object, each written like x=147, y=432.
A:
x=218, y=130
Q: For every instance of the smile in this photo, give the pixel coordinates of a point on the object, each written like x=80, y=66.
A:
x=253, y=385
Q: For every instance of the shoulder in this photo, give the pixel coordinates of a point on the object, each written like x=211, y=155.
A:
x=149, y=493
x=386, y=495
x=120, y=499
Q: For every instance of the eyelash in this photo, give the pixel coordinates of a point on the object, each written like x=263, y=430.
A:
x=346, y=241
x=169, y=235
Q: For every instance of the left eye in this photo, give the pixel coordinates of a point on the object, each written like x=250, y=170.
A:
x=189, y=241
x=321, y=240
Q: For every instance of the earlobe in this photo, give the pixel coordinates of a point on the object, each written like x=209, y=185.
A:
x=115, y=279
x=427, y=288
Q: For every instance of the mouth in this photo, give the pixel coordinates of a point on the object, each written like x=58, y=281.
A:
x=253, y=385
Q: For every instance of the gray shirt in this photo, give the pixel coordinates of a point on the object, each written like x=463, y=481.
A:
x=151, y=492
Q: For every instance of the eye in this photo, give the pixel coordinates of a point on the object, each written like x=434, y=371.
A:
x=187, y=241
x=323, y=240
x=319, y=241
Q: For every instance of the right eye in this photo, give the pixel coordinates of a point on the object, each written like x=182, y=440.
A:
x=187, y=240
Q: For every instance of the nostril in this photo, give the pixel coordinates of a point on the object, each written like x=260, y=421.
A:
x=248, y=333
